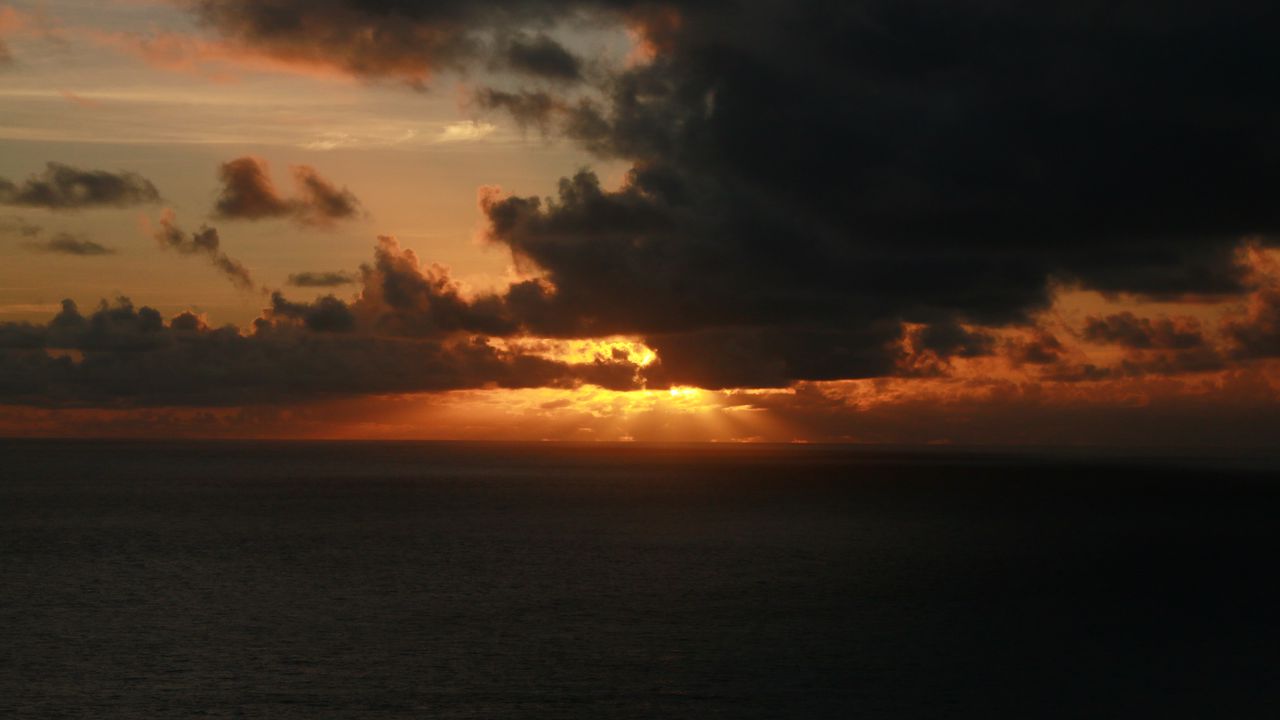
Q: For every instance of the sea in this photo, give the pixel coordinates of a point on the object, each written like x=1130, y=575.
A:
x=473, y=580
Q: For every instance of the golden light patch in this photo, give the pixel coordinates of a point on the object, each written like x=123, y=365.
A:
x=617, y=348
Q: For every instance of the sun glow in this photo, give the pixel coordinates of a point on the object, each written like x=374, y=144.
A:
x=617, y=348
x=587, y=413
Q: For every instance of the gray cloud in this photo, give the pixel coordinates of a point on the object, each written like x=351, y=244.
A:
x=322, y=279
x=204, y=241
x=407, y=40
x=541, y=56
x=131, y=357
x=248, y=194
x=68, y=244
x=62, y=187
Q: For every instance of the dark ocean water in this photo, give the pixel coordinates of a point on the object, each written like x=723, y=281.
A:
x=272, y=580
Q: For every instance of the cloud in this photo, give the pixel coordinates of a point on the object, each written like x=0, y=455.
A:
x=328, y=314
x=204, y=241
x=128, y=356
x=322, y=279
x=248, y=194
x=541, y=56
x=67, y=244
x=61, y=243
x=406, y=40
x=1131, y=331
x=247, y=191
x=1257, y=335
x=62, y=187
x=528, y=108
x=14, y=225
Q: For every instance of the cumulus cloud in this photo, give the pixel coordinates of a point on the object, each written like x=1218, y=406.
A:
x=204, y=241
x=249, y=194
x=62, y=187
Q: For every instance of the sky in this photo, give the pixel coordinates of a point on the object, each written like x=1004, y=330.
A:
x=873, y=222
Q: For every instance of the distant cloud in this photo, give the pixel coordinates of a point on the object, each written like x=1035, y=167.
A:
x=204, y=241
x=297, y=352
x=62, y=187
x=249, y=194
x=14, y=225
x=322, y=279
x=67, y=244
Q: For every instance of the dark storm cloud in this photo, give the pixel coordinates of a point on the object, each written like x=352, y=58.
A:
x=68, y=244
x=542, y=56
x=129, y=356
x=62, y=187
x=820, y=166
x=949, y=339
x=322, y=279
x=249, y=194
x=204, y=241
